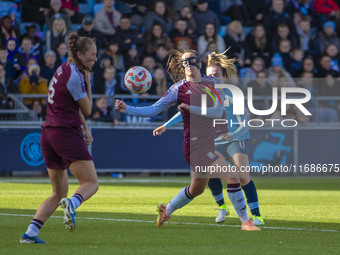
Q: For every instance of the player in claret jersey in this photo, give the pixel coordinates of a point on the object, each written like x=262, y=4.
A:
x=63, y=144
x=234, y=147
x=199, y=133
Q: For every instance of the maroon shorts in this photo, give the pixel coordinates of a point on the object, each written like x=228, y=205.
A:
x=199, y=154
x=61, y=146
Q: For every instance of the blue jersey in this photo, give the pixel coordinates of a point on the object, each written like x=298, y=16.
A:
x=237, y=124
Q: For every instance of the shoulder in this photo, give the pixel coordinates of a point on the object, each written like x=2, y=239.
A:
x=75, y=75
x=115, y=12
x=100, y=13
x=175, y=87
x=210, y=79
x=178, y=84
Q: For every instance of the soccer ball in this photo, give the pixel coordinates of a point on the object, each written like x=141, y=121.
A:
x=138, y=80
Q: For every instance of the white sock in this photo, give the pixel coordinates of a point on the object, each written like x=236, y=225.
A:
x=76, y=200
x=182, y=198
x=237, y=199
x=34, y=228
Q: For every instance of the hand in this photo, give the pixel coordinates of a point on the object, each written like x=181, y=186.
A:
x=120, y=105
x=184, y=107
x=70, y=12
x=332, y=13
x=227, y=137
x=16, y=66
x=88, y=137
x=159, y=131
x=127, y=40
x=259, y=16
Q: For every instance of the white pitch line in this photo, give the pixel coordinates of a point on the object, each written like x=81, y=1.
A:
x=179, y=223
x=100, y=181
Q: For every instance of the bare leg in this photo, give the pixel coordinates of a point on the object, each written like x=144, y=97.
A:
x=197, y=186
x=238, y=160
x=59, y=181
x=85, y=172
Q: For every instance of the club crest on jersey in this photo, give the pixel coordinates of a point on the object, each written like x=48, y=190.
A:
x=211, y=155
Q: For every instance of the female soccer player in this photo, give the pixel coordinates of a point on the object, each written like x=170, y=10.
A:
x=62, y=142
x=234, y=148
x=199, y=133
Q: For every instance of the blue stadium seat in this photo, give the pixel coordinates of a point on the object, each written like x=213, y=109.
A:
x=97, y=8
x=85, y=9
x=222, y=31
x=4, y=7
x=247, y=30
x=75, y=27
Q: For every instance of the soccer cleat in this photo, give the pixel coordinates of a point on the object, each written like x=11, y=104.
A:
x=30, y=239
x=69, y=214
x=162, y=217
x=222, y=213
x=257, y=220
x=249, y=226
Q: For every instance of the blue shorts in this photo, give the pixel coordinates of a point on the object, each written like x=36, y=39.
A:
x=229, y=149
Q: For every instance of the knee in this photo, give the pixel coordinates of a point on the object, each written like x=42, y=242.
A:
x=233, y=180
x=196, y=191
x=95, y=185
x=244, y=181
x=58, y=195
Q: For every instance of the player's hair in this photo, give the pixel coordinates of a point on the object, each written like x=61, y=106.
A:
x=227, y=65
x=174, y=66
x=79, y=43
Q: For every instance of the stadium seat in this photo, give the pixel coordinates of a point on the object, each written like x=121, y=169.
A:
x=4, y=7
x=75, y=27
x=97, y=8
x=85, y=9
x=222, y=31
x=24, y=24
x=247, y=30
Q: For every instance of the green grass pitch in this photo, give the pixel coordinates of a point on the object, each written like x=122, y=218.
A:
x=301, y=216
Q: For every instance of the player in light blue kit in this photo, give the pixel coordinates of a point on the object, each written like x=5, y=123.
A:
x=233, y=147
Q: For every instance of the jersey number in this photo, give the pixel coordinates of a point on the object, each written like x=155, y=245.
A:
x=51, y=90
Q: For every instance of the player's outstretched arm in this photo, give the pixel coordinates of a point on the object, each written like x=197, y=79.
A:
x=174, y=120
x=169, y=99
x=159, y=131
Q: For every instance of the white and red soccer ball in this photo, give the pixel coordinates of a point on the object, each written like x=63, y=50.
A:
x=138, y=80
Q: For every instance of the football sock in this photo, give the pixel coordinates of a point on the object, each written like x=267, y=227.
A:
x=216, y=188
x=237, y=199
x=34, y=228
x=252, y=200
x=182, y=198
x=76, y=200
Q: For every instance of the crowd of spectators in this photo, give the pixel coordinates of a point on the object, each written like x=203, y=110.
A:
x=276, y=43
